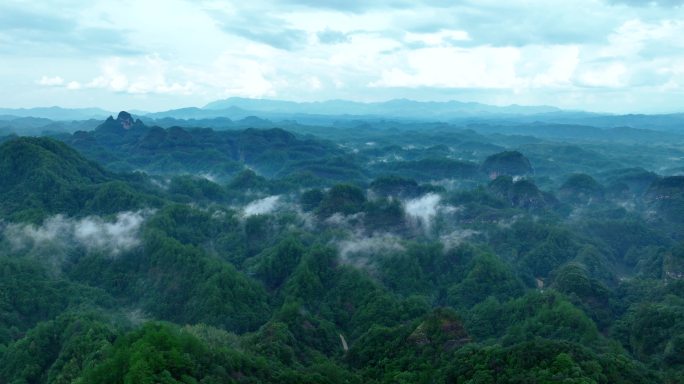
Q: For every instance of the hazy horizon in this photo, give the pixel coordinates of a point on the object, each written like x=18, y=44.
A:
x=290, y=101
x=132, y=109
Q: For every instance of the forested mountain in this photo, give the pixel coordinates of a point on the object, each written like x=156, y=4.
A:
x=333, y=119
x=365, y=252
x=128, y=144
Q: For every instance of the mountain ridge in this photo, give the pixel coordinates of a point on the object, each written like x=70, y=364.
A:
x=399, y=107
x=328, y=113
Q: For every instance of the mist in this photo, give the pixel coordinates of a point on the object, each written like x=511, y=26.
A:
x=457, y=237
x=261, y=206
x=359, y=251
x=94, y=233
x=423, y=209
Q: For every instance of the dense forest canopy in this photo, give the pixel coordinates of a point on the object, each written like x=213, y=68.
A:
x=366, y=251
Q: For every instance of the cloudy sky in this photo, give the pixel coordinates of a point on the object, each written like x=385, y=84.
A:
x=599, y=55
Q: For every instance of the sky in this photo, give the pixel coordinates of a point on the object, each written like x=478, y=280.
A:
x=619, y=56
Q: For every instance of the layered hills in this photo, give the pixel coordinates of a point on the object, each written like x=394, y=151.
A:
x=371, y=253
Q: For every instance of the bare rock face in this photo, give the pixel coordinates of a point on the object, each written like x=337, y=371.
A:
x=520, y=193
x=666, y=198
x=124, y=122
x=125, y=119
x=673, y=264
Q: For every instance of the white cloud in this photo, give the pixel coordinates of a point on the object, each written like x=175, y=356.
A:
x=549, y=65
x=114, y=237
x=447, y=37
x=93, y=233
x=512, y=52
x=634, y=36
x=603, y=75
x=50, y=81
x=454, y=67
x=373, y=245
x=423, y=209
x=245, y=74
x=261, y=206
x=139, y=76
x=74, y=85
x=456, y=237
x=361, y=251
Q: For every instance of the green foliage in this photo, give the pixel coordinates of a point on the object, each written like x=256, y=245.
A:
x=395, y=186
x=311, y=199
x=335, y=169
x=581, y=188
x=159, y=353
x=536, y=248
x=550, y=316
x=43, y=176
x=277, y=263
x=667, y=197
x=311, y=275
x=536, y=314
x=510, y=163
x=508, y=286
x=185, y=285
x=384, y=213
x=409, y=353
x=177, y=149
x=652, y=329
x=487, y=276
x=622, y=235
x=521, y=193
x=193, y=226
x=30, y=294
x=543, y=361
x=57, y=351
x=246, y=180
x=196, y=189
x=342, y=198
x=431, y=169
x=585, y=292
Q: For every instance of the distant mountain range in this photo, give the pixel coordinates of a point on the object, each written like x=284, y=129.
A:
x=326, y=113
x=237, y=107
x=55, y=113
x=396, y=107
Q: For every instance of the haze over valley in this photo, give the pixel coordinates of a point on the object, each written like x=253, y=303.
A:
x=341, y=192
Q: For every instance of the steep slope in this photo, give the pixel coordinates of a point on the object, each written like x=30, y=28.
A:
x=511, y=163
x=127, y=144
x=666, y=197
x=43, y=176
x=521, y=193
x=580, y=188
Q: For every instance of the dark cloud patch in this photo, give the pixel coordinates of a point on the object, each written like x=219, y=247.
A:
x=352, y=6
x=645, y=3
x=57, y=34
x=515, y=25
x=262, y=28
x=328, y=36
x=15, y=19
x=360, y=6
x=287, y=39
